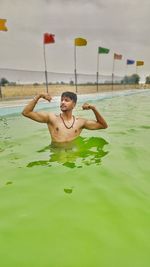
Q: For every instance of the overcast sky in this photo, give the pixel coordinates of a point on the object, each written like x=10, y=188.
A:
x=121, y=25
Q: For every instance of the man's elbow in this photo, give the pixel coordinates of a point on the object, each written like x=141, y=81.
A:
x=24, y=113
x=105, y=126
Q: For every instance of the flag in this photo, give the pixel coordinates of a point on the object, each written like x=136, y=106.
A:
x=80, y=42
x=139, y=63
x=103, y=50
x=116, y=56
x=2, y=25
x=130, y=61
x=48, y=38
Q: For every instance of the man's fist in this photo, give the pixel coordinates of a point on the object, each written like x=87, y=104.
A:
x=87, y=106
x=46, y=96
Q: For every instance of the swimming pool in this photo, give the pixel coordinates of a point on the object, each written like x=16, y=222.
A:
x=86, y=205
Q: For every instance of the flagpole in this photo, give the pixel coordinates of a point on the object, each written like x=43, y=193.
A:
x=126, y=75
x=75, y=71
x=136, y=69
x=126, y=70
x=113, y=72
x=97, y=70
x=46, y=77
x=0, y=91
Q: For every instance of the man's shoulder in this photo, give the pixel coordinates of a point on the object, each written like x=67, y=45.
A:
x=53, y=116
x=80, y=120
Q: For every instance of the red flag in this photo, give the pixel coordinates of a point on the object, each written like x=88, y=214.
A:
x=48, y=38
x=116, y=56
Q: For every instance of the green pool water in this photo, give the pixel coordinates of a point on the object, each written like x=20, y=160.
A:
x=86, y=205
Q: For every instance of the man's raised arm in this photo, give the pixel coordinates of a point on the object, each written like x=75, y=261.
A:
x=100, y=122
x=36, y=116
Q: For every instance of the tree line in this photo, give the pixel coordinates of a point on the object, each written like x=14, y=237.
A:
x=127, y=79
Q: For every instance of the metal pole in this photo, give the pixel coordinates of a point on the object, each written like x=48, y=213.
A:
x=46, y=77
x=75, y=70
x=136, y=69
x=113, y=73
x=0, y=91
x=97, y=71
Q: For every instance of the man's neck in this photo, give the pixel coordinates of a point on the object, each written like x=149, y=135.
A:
x=67, y=115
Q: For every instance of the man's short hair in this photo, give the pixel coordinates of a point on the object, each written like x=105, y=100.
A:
x=71, y=95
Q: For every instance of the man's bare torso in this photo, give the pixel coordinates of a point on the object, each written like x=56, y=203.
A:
x=58, y=131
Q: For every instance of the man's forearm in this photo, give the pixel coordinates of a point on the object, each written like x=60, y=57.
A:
x=99, y=118
x=31, y=105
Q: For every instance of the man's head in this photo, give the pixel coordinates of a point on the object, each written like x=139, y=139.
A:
x=68, y=101
x=70, y=95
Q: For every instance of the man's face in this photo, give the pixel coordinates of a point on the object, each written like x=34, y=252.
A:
x=66, y=104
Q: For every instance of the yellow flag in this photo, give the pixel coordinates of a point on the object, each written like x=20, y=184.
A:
x=139, y=63
x=2, y=25
x=80, y=42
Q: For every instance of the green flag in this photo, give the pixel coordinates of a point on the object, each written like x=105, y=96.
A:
x=103, y=50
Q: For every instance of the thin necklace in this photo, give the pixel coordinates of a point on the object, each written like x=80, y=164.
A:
x=65, y=123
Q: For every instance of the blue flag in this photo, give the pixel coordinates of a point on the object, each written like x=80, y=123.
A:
x=130, y=61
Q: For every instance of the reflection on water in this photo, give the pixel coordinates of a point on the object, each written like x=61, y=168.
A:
x=82, y=151
x=68, y=190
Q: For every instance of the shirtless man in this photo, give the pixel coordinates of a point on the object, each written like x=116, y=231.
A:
x=64, y=127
